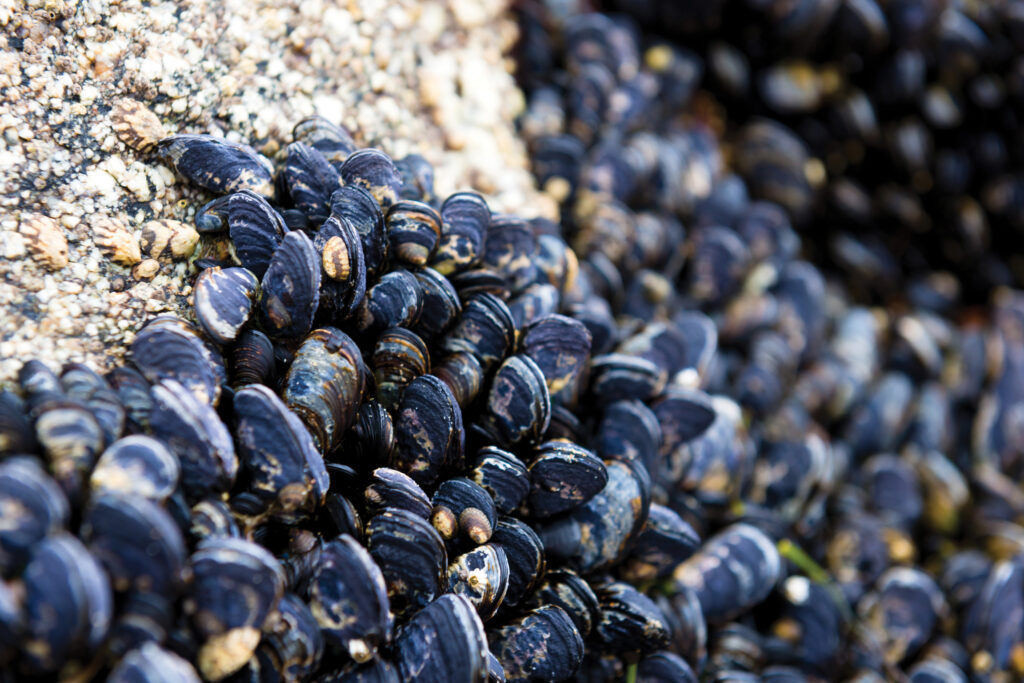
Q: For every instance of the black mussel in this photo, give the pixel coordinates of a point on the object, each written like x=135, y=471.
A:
x=33, y=508
x=234, y=587
x=663, y=667
x=374, y=671
x=485, y=329
x=617, y=377
x=461, y=506
x=68, y=604
x=732, y=571
x=991, y=627
x=466, y=219
x=597, y=534
x=223, y=301
x=331, y=140
x=774, y=162
x=665, y=541
x=563, y=476
x=706, y=465
x=72, y=438
x=464, y=376
x=290, y=290
x=541, y=645
x=81, y=383
x=417, y=178
x=502, y=475
x=535, y=301
x=324, y=385
x=893, y=490
x=371, y=441
x=395, y=301
x=495, y=671
x=375, y=172
x=390, y=488
x=192, y=431
x=786, y=473
x=879, y=422
x=630, y=621
x=669, y=345
x=140, y=618
x=338, y=515
x=936, y=670
x=251, y=359
x=441, y=304
x=310, y=179
x=810, y=621
x=254, y=226
x=349, y=599
x=356, y=205
x=295, y=641
x=688, y=629
x=429, y=430
x=39, y=383
x=565, y=589
x=629, y=430
x=720, y=260
x=136, y=541
x=217, y=165
x=414, y=229
x=281, y=461
x=16, y=433
x=560, y=347
x=443, y=643
x=343, y=284
x=510, y=249
x=903, y=611
x=411, y=556
x=212, y=518
x=139, y=466
x=170, y=348
x=518, y=406
x=469, y=283
x=481, y=576
x=150, y=663
x=525, y=553
x=399, y=357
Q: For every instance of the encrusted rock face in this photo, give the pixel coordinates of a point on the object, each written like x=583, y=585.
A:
x=87, y=88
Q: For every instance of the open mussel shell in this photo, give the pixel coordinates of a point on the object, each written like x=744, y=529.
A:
x=429, y=430
x=330, y=139
x=324, y=385
x=399, y=357
x=460, y=506
x=310, y=179
x=374, y=171
x=170, y=348
x=443, y=643
x=518, y=405
x=235, y=586
x=390, y=488
x=502, y=475
x=466, y=220
x=150, y=663
x=193, y=432
x=224, y=299
x=411, y=556
x=68, y=603
x=349, y=599
x=542, y=644
x=414, y=229
x=732, y=571
x=563, y=476
x=343, y=284
x=217, y=165
x=34, y=508
x=290, y=290
x=137, y=542
x=481, y=575
x=283, y=466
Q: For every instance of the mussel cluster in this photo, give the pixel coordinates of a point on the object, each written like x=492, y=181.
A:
x=402, y=437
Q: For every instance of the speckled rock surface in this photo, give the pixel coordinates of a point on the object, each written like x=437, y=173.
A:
x=85, y=86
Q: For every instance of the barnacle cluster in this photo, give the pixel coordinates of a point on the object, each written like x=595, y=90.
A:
x=724, y=421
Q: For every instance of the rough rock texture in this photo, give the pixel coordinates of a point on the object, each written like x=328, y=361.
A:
x=85, y=87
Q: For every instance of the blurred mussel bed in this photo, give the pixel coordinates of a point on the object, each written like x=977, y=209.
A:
x=752, y=410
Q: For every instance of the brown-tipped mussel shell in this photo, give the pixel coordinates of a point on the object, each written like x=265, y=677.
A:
x=223, y=301
x=251, y=359
x=324, y=385
x=463, y=374
x=414, y=229
x=463, y=507
x=375, y=172
x=290, y=290
x=466, y=219
x=217, y=165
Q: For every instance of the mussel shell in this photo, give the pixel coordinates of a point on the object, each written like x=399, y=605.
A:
x=662, y=667
x=310, y=179
x=223, y=301
x=255, y=227
x=217, y=165
x=395, y=301
x=331, y=140
x=251, y=359
x=617, y=377
x=565, y=589
x=630, y=621
x=542, y=644
x=34, y=508
x=518, y=405
x=429, y=430
x=170, y=348
x=417, y=178
x=137, y=465
x=463, y=374
x=411, y=556
x=481, y=575
x=16, y=433
x=83, y=384
x=392, y=489
x=441, y=304
x=343, y=284
x=510, y=249
x=349, y=599
x=414, y=229
x=460, y=506
x=398, y=358
x=295, y=641
x=560, y=347
x=485, y=329
x=443, y=643
x=629, y=430
x=466, y=220
x=374, y=171
x=290, y=290
x=324, y=385
x=525, y=553
x=502, y=475
x=563, y=476
x=150, y=663
x=665, y=541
